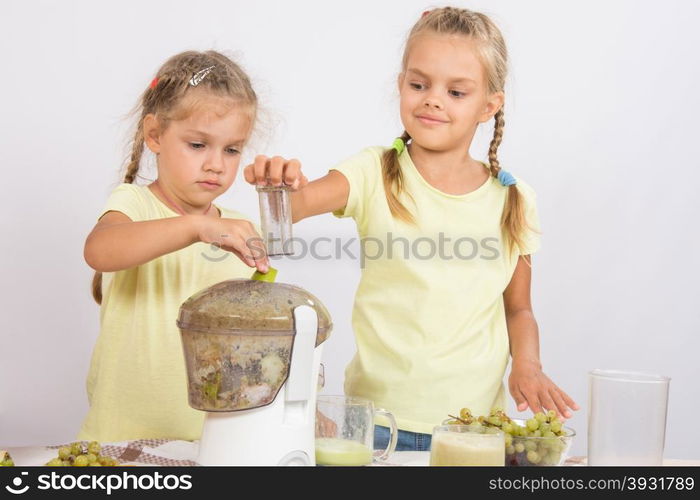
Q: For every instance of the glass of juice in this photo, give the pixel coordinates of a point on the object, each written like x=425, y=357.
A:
x=345, y=431
x=467, y=445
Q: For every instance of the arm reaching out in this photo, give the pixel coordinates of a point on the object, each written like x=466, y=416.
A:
x=528, y=384
x=117, y=242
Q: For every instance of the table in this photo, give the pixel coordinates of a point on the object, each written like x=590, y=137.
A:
x=175, y=453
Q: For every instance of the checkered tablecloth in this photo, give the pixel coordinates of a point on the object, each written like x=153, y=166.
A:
x=148, y=452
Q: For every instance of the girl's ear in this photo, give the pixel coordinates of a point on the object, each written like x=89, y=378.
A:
x=493, y=104
x=399, y=80
x=151, y=132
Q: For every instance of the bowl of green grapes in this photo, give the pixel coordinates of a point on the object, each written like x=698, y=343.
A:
x=538, y=441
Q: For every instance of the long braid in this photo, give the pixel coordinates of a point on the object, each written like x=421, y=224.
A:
x=394, y=182
x=512, y=220
x=132, y=169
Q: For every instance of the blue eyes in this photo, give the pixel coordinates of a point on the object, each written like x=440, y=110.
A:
x=453, y=93
x=199, y=145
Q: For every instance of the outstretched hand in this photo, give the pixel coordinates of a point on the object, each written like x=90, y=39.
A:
x=531, y=388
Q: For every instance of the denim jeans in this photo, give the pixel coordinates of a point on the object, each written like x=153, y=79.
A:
x=407, y=441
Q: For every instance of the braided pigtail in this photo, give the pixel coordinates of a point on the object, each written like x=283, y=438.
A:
x=513, y=219
x=394, y=182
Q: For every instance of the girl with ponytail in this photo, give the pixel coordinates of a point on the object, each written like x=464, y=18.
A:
x=435, y=329
x=155, y=245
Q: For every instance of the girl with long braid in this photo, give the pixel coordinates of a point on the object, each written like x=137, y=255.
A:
x=156, y=245
x=434, y=330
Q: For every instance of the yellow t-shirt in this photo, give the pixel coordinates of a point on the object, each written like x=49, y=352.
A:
x=429, y=317
x=137, y=385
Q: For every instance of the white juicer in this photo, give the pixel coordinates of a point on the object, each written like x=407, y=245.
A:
x=253, y=352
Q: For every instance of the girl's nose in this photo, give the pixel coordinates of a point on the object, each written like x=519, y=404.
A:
x=432, y=102
x=215, y=163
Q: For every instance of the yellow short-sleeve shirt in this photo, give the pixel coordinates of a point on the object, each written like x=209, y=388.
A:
x=136, y=384
x=429, y=317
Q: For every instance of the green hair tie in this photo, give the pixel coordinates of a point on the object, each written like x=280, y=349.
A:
x=398, y=145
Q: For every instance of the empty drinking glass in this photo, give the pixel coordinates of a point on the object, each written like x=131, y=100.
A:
x=626, y=417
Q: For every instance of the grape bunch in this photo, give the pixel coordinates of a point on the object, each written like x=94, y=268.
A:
x=5, y=459
x=76, y=455
x=541, y=440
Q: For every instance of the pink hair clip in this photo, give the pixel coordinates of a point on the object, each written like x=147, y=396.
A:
x=425, y=13
x=154, y=82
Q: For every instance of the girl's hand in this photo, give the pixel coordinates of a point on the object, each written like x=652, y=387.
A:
x=530, y=387
x=275, y=171
x=237, y=236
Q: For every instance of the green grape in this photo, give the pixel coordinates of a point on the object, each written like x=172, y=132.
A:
x=66, y=463
x=556, y=426
x=55, y=462
x=545, y=427
x=548, y=434
x=81, y=461
x=540, y=417
x=91, y=457
x=95, y=464
x=7, y=463
x=94, y=448
x=509, y=439
x=537, y=433
x=510, y=450
x=553, y=457
x=552, y=414
x=76, y=449
x=507, y=428
x=519, y=447
x=465, y=414
x=494, y=421
x=530, y=445
x=64, y=452
x=532, y=424
x=533, y=457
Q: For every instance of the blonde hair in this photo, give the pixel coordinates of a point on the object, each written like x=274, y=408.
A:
x=165, y=98
x=492, y=53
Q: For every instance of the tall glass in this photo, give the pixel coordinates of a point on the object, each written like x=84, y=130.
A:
x=276, y=219
x=626, y=417
x=345, y=431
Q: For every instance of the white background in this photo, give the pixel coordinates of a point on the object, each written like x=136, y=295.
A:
x=601, y=119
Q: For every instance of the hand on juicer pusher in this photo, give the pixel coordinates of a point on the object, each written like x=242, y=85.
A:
x=275, y=171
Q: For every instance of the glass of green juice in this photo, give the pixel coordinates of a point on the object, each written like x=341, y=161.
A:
x=345, y=431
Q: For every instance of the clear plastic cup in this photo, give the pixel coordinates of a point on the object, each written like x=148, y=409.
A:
x=626, y=417
x=276, y=219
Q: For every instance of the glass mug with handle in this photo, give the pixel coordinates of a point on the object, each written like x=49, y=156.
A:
x=345, y=431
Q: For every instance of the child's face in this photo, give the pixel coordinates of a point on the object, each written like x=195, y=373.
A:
x=444, y=93
x=205, y=146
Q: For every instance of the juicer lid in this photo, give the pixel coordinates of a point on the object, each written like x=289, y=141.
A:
x=250, y=307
